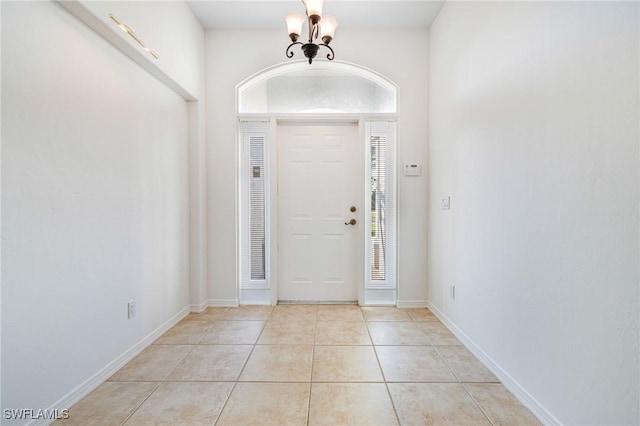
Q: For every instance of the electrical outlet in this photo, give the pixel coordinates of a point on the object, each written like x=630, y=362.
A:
x=446, y=203
x=131, y=309
x=452, y=291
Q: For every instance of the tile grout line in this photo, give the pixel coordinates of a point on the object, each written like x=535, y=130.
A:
x=159, y=383
x=206, y=333
x=313, y=358
x=244, y=365
x=384, y=377
x=464, y=386
x=435, y=347
x=126, y=419
x=216, y=322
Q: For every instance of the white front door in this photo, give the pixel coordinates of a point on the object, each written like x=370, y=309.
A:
x=319, y=182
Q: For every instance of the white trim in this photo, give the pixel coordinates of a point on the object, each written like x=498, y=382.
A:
x=273, y=224
x=222, y=303
x=379, y=297
x=113, y=35
x=110, y=369
x=389, y=129
x=412, y=304
x=365, y=199
x=237, y=211
x=250, y=291
x=255, y=296
x=332, y=117
x=509, y=382
x=198, y=307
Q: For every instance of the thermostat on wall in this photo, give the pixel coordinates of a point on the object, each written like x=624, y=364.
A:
x=412, y=169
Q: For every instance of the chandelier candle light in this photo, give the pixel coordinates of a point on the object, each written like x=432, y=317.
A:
x=325, y=26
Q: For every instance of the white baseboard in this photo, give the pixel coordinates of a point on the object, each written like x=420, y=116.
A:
x=198, y=308
x=379, y=297
x=408, y=304
x=222, y=303
x=255, y=296
x=110, y=369
x=509, y=382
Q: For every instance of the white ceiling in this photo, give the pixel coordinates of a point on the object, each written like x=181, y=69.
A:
x=351, y=14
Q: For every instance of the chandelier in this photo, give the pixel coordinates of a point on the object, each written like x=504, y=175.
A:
x=323, y=26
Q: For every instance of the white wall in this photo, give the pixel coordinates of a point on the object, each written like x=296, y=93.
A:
x=233, y=56
x=534, y=118
x=168, y=28
x=171, y=30
x=95, y=204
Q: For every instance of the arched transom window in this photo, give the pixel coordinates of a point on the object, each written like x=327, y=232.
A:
x=321, y=88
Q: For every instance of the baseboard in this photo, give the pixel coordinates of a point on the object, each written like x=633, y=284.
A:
x=216, y=303
x=255, y=296
x=198, y=308
x=408, y=304
x=317, y=302
x=110, y=369
x=222, y=303
x=509, y=382
x=379, y=297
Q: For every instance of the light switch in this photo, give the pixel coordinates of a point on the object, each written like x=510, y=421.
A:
x=446, y=203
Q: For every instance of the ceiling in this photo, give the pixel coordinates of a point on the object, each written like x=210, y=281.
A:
x=351, y=14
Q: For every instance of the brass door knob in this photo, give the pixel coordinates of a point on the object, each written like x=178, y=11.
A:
x=351, y=222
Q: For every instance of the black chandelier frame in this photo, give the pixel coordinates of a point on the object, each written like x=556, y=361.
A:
x=310, y=49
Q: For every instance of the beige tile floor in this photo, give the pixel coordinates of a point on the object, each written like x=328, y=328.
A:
x=303, y=365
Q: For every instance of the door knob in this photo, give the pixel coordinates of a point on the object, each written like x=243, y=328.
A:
x=351, y=222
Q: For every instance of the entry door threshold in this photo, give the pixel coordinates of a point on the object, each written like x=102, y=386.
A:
x=317, y=302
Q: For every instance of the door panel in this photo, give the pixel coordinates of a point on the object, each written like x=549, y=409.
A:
x=319, y=179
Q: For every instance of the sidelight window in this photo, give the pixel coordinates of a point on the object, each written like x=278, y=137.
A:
x=381, y=241
x=253, y=180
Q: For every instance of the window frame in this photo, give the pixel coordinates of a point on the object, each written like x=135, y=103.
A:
x=247, y=131
x=388, y=129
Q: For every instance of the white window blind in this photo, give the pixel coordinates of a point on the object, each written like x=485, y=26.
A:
x=253, y=179
x=381, y=241
x=257, y=206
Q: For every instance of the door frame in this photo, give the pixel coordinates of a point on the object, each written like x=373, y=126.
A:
x=268, y=294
